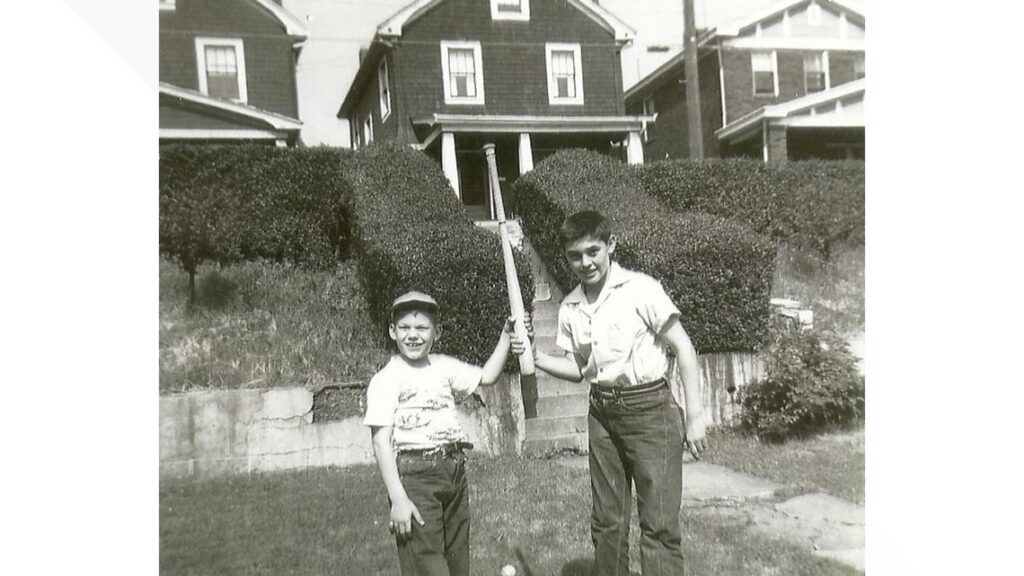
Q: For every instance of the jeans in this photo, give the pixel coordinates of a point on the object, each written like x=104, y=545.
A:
x=636, y=438
x=436, y=484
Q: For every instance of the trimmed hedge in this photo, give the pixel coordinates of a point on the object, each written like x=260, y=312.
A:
x=718, y=272
x=410, y=232
x=811, y=204
x=238, y=203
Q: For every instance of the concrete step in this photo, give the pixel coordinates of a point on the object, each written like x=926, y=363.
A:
x=546, y=446
x=564, y=405
x=548, y=386
x=557, y=426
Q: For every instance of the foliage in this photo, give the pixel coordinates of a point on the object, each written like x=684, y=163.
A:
x=811, y=385
x=812, y=204
x=718, y=272
x=235, y=203
x=410, y=232
x=264, y=324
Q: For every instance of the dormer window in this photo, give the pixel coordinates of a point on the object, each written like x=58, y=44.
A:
x=510, y=9
x=221, y=65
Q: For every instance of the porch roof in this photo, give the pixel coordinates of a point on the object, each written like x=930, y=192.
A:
x=841, y=106
x=272, y=119
x=509, y=124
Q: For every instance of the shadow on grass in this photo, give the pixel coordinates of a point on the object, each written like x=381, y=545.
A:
x=584, y=567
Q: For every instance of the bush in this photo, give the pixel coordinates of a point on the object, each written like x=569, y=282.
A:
x=410, y=232
x=236, y=203
x=812, y=204
x=811, y=385
x=717, y=272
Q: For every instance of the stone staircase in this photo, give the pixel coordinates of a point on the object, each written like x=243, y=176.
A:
x=561, y=421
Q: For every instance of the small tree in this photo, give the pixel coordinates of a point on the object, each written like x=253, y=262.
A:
x=189, y=228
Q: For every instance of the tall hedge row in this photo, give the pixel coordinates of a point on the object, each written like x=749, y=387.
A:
x=235, y=203
x=410, y=232
x=718, y=272
x=811, y=204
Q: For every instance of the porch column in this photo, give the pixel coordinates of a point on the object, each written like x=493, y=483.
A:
x=449, y=161
x=525, y=154
x=634, y=149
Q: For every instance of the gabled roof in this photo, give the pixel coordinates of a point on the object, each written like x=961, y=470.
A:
x=658, y=74
x=292, y=25
x=791, y=108
x=734, y=28
x=392, y=27
x=275, y=120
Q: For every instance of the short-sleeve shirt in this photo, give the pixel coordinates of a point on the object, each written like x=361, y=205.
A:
x=618, y=336
x=420, y=401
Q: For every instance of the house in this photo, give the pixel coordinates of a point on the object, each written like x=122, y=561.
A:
x=530, y=76
x=785, y=83
x=227, y=72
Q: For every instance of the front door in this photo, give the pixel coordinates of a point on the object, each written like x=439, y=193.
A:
x=473, y=183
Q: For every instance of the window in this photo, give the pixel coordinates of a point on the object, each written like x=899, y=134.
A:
x=462, y=73
x=384, y=83
x=221, y=64
x=816, y=72
x=858, y=68
x=814, y=15
x=764, y=66
x=368, y=129
x=167, y=4
x=510, y=10
x=648, y=132
x=565, y=74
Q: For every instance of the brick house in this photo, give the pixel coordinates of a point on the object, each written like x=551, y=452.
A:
x=785, y=83
x=227, y=71
x=530, y=76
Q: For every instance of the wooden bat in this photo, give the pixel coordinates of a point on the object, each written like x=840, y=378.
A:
x=528, y=373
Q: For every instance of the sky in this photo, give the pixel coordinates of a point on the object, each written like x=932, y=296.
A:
x=339, y=28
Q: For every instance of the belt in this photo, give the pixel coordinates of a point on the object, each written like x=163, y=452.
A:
x=610, y=392
x=444, y=450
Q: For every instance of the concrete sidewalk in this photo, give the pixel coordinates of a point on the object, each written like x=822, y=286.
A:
x=830, y=527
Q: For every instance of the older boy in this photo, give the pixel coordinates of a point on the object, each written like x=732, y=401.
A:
x=614, y=327
x=410, y=409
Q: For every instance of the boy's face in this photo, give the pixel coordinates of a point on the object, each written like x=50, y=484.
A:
x=414, y=333
x=589, y=258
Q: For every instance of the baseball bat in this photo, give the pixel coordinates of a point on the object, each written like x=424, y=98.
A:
x=528, y=372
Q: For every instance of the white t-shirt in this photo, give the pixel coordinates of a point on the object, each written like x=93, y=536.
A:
x=420, y=401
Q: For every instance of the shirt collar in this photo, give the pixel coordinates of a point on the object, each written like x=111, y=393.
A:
x=617, y=276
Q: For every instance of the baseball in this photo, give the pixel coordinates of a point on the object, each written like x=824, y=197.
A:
x=508, y=570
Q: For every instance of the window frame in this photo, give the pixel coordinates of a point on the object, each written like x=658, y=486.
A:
x=553, y=98
x=858, y=67
x=384, y=89
x=773, y=56
x=202, y=42
x=823, y=59
x=522, y=16
x=168, y=5
x=478, y=66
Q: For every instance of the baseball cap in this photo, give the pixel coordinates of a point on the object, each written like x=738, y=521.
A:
x=415, y=297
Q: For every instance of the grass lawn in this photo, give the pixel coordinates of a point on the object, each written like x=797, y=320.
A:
x=829, y=463
x=261, y=325
x=333, y=521
x=833, y=288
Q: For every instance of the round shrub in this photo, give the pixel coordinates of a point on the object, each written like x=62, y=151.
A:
x=811, y=385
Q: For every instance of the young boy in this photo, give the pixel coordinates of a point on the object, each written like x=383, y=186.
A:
x=613, y=328
x=410, y=409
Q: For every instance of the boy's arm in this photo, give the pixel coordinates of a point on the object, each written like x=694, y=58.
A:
x=402, y=509
x=566, y=367
x=492, y=368
x=689, y=371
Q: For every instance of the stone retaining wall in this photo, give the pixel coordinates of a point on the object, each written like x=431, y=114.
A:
x=230, y=431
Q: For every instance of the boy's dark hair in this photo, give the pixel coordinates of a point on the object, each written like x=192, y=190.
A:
x=584, y=224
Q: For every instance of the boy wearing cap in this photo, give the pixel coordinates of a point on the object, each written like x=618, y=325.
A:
x=419, y=445
x=614, y=328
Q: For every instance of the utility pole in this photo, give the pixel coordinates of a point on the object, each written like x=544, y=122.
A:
x=694, y=127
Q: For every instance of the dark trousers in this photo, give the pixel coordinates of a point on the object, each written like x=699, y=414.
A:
x=636, y=438
x=436, y=484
